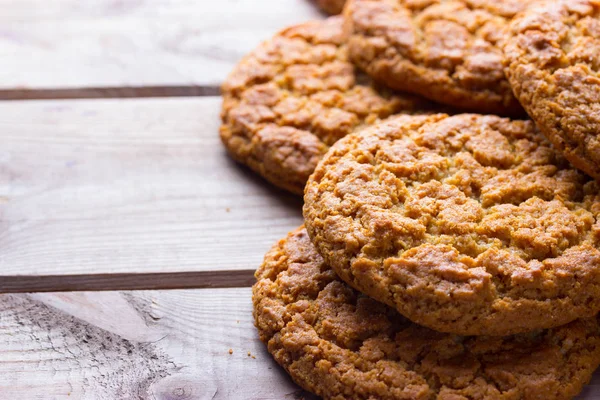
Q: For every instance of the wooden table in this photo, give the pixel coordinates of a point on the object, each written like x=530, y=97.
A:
x=113, y=179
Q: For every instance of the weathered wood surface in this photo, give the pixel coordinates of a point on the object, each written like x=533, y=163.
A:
x=92, y=187
x=116, y=46
x=160, y=345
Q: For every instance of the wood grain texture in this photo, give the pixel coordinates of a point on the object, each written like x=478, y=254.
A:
x=74, y=44
x=164, y=345
x=159, y=345
x=129, y=186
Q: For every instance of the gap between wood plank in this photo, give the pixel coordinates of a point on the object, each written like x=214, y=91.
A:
x=109, y=92
x=127, y=281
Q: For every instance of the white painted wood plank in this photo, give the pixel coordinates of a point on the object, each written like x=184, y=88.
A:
x=140, y=345
x=112, y=43
x=126, y=186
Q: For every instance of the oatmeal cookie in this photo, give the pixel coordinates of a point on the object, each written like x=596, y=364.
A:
x=445, y=50
x=294, y=96
x=343, y=345
x=552, y=59
x=468, y=224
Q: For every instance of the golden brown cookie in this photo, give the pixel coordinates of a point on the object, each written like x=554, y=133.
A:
x=468, y=224
x=332, y=7
x=552, y=58
x=343, y=345
x=445, y=50
x=293, y=97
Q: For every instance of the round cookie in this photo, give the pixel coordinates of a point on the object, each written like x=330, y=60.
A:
x=445, y=50
x=294, y=96
x=332, y=7
x=468, y=224
x=552, y=56
x=341, y=344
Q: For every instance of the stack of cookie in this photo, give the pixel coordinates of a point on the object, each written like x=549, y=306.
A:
x=452, y=245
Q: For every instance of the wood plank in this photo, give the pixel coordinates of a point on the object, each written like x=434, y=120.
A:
x=124, y=281
x=129, y=186
x=138, y=345
x=155, y=345
x=70, y=44
x=109, y=92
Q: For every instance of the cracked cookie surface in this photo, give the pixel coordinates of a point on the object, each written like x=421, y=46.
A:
x=342, y=345
x=552, y=59
x=445, y=50
x=294, y=96
x=468, y=224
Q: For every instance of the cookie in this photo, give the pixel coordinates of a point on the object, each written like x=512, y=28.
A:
x=340, y=344
x=468, y=224
x=552, y=55
x=445, y=50
x=331, y=7
x=293, y=97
